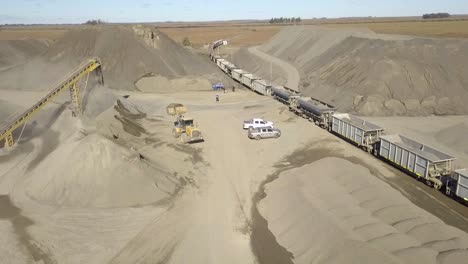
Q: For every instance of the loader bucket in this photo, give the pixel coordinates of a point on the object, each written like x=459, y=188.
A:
x=195, y=138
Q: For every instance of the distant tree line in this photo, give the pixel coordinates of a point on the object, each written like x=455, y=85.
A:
x=94, y=22
x=285, y=20
x=436, y=15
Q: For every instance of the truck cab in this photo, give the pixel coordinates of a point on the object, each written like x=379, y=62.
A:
x=257, y=122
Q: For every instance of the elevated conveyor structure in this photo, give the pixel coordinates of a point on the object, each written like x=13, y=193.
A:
x=72, y=81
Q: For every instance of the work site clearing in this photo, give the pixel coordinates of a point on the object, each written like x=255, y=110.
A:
x=101, y=174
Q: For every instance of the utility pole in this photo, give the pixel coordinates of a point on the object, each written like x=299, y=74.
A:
x=271, y=73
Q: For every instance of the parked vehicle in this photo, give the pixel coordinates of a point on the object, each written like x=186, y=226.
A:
x=256, y=123
x=263, y=132
x=218, y=86
x=415, y=158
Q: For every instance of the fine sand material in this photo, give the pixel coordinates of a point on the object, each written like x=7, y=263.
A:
x=445, y=133
x=15, y=52
x=8, y=110
x=126, y=58
x=113, y=185
x=164, y=85
x=259, y=66
x=291, y=72
x=333, y=211
x=380, y=75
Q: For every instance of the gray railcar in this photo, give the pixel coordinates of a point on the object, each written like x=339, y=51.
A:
x=214, y=57
x=414, y=157
x=219, y=63
x=313, y=109
x=457, y=184
x=357, y=130
x=237, y=74
x=462, y=183
x=247, y=79
x=281, y=94
x=225, y=66
x=230, y=67
x=262, y=87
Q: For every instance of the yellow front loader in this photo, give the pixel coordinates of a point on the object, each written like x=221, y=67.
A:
x=184, y=127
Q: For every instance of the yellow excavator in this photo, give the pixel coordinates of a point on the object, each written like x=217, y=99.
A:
x=184, y=127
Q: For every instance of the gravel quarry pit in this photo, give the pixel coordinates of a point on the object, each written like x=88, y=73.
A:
x=374, y=74
x=114, y=186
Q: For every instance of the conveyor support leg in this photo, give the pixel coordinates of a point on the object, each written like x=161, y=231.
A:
x=75, y=97
x=9, y=142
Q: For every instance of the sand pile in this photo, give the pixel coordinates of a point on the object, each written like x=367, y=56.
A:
x=258, y=66
x=351, y=216
x=372, y=74
x=97, y=100
x=454, y=136
x=7, y=109
x=14, y=52
x=162, y=84
x=96, y=172
x=126, y=58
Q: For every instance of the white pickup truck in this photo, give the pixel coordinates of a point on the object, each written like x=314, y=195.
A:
x=256, y=123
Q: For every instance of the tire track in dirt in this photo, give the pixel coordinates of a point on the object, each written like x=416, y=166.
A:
x=291, y=71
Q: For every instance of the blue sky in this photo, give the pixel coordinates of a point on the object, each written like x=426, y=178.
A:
x=78, y=11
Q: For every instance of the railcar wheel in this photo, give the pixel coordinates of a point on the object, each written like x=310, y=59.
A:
x=448, y=191
x=429, y=183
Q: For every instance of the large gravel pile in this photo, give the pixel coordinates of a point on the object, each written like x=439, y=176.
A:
x=126, y=58
x=372, y=74
x=14, y=52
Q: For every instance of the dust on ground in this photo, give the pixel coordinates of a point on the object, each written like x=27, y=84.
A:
x=114, y=186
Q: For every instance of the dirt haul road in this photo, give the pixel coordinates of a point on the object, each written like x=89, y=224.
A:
x=214, y=221
x=293, y=76
x=109, y=210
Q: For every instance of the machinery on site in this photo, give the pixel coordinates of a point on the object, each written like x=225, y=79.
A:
x=263, y=133
x=184, y=127
x=425, y=163
x=75, y=81
x=256, y=123
x=218, y=86
x=216, y=45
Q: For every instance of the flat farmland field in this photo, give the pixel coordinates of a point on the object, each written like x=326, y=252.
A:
x=31, y=33
x=237, y=35
x=438, y=28
x=251, y=34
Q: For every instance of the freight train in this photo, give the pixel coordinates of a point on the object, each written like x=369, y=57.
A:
x=427, y=164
